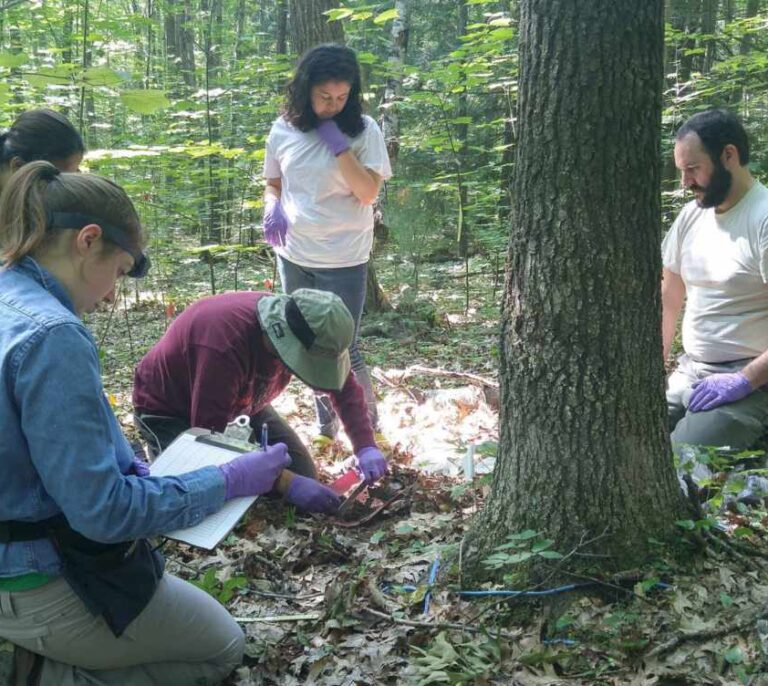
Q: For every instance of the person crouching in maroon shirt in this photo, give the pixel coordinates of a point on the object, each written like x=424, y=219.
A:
x=232, y=354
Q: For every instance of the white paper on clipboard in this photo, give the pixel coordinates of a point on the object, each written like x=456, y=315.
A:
x=187, y=453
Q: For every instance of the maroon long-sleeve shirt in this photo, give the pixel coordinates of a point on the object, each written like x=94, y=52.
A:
x=212, y=365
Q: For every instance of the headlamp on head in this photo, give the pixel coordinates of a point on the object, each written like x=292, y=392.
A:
x=76, y=221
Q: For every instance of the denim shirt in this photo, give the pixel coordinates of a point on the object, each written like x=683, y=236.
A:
x=61, y=447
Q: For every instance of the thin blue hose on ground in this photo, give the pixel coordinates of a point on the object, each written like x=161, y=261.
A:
x=430, y=581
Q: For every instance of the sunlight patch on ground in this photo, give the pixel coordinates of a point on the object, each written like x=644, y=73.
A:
x=435, y=425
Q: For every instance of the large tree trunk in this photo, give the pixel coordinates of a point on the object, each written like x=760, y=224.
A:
x=584, y=448
x=309, y=26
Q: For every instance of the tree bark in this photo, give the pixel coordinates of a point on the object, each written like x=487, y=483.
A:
x=281, y=39
x=584, y=446
x=179, y=40
x=751, y=10
x=390, y=119
x=461, y=138
x=309, y=26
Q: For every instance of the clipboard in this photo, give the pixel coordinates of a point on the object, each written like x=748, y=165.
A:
x=197, y=448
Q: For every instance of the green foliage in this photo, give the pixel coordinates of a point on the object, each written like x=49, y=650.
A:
x=447, y=662
x=520, y=548
x=223, y=591
x=187, y=140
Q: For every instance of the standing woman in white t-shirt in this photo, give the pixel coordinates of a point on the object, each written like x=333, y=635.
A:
x=325, y=163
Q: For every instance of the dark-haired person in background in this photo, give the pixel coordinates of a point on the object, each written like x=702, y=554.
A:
x=716, y=263
x=40, y=135
x=325, y=163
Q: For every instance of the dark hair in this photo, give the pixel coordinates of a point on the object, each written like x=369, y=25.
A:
x=327, y=62
x=38, y=190
x=717, y=128
x=40, y=135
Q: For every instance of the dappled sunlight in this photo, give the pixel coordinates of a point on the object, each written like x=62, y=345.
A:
x=434, y=425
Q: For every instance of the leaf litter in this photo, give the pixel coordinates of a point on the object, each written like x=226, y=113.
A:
x=324, y=603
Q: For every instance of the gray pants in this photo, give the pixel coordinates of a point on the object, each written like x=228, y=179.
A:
x=182, y=638
x=738, y=425
x=349, y=284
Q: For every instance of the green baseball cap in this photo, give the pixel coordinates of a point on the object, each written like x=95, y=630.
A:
x=311, y=331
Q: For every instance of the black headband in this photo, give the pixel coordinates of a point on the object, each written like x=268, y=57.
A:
x=298, y=325
x=75, y=220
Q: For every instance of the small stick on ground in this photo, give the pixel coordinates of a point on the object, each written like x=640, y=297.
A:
x=309, y=616
x=744, y=624
x=725, y=546
x=378, y=598
x=442, y=625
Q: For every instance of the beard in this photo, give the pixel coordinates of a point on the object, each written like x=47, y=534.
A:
x=716, y=191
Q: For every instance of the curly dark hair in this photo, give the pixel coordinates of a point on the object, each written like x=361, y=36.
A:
x=326, y=62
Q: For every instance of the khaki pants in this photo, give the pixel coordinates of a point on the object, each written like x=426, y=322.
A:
x=738, y=425
x=182, y=638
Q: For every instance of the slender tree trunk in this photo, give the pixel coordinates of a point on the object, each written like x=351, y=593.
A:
x=179, y=40
x=86, y=114
x=240, y=22
x=751, y=10
x=709, y=12
x=281, y=36
x=584, y=449
x=216, y=232
x=461, y=137
x=309, y=26
x=390, y=119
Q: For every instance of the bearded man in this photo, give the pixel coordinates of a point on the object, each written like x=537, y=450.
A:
x=715, y=260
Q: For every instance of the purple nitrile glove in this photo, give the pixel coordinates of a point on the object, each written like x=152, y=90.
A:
x=332, y=136
x=718, y=389
x=138, y=468
x=311, y=496
x=255, y=473
x=275, y=222
x=372, y=464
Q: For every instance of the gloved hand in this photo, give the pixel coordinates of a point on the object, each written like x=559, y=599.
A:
x=332, y=136
x=138, y=468
x=275, y=222
x=311, y=496
x=255, y=473
x=372, y=464
x=718, y=389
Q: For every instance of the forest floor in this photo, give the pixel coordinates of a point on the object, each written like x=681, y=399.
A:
x=372, y=598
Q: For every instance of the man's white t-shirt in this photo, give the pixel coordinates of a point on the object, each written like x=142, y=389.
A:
x=723, y=261
x=327, y=225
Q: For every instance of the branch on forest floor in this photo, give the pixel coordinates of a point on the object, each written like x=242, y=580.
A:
x=309, y=616
x=707, y=634
x=378, y=598
x=286, y=596
x=431, y=371
x=725, y=546
x=443, y=625
x=416, y=395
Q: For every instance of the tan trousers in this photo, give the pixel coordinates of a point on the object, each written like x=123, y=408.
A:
x=183, y=637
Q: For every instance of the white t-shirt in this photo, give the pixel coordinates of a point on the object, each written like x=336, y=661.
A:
x=723, y=261
x=327, y=225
